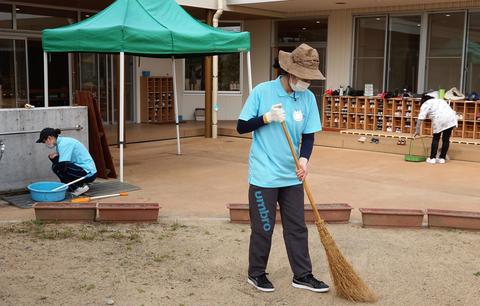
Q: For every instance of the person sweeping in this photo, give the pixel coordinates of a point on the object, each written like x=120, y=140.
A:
x=444, y=120
x=70, y=161
x=272, y=175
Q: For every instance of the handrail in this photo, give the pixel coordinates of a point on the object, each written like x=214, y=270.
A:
x=78, y=127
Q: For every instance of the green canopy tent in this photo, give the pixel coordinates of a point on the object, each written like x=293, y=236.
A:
x=151, y=28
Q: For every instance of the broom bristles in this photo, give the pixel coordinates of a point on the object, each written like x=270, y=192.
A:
x=347, y=283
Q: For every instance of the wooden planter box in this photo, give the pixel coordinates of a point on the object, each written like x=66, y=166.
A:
x=331, y=213
x=128, y=212
x=379, y=217
x=239, y=213
x=65, y=212
x=453, y=219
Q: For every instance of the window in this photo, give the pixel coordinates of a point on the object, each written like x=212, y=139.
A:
x=7, y=74
x=6, y=16
x=472, y=79
x=398, y=67
x=445, y=47
x=369, y=56
x=13, y=73
x=37, y=18
x=290, y=34
x=228, y=68
x=194, y=74
x=229, y=72
x=298, y=31
x=404, y=51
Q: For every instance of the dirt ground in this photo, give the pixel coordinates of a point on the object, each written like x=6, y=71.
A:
x=193, y=256
x=204, y=263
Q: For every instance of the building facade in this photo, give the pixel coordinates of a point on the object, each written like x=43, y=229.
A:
x=409, y=46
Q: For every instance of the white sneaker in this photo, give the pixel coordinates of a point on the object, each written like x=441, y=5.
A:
x=80, y=190
x=431, y=160
x=440, y=161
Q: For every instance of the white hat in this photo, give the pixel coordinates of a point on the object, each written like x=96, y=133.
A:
x=454, y=94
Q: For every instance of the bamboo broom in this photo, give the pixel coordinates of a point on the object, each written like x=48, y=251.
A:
x=347, y=283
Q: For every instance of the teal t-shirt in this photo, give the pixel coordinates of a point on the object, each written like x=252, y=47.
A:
x=72, y=150
x=271, y=164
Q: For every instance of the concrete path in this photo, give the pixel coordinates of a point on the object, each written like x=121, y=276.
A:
x=211, y=173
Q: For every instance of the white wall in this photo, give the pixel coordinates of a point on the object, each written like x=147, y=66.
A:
x=25, y=161
x=339, y=48
x=260, y=37
x=230, y=105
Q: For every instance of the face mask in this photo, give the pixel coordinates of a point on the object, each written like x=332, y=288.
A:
x=300, y=86
x=49, y=144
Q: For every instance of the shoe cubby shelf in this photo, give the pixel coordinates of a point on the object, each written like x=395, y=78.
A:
x=395, y=115
x=157, y=100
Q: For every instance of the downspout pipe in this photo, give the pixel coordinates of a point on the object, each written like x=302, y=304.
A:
x=215, y=107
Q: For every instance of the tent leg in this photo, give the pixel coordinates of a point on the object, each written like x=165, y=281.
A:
x=175, y=102
x=122, y=115
x=45, y=79
x=249, y=69
x=214, y=96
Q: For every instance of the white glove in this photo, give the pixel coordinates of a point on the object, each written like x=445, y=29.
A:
x=276, y=114
x=302, y=171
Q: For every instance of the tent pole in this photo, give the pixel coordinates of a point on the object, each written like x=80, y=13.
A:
x=175, y=103
x=45, y=79
x=249, y=69
x=122, y=115
x=214, y=95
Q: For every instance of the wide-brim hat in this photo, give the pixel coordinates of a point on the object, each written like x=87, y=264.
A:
x=302, y=62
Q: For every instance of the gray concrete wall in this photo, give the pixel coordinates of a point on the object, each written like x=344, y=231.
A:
x=25, y=161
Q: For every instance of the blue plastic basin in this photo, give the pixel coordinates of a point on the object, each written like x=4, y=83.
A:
x=42, y=191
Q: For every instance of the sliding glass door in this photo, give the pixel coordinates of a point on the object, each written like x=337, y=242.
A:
x=13, y=73
x=472, y=78
x=445, y=50
x=98, y=73
x=58, y=76
x=369, y=54
x=404, y=53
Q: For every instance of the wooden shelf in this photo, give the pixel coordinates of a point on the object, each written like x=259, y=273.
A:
x=157, y=100
x=397, y=115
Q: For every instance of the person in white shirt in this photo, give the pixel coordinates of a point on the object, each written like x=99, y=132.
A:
x=444, y=120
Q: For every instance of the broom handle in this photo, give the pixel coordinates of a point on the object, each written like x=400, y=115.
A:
x=306, y=186
x=68, y=184
x=88, y=199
